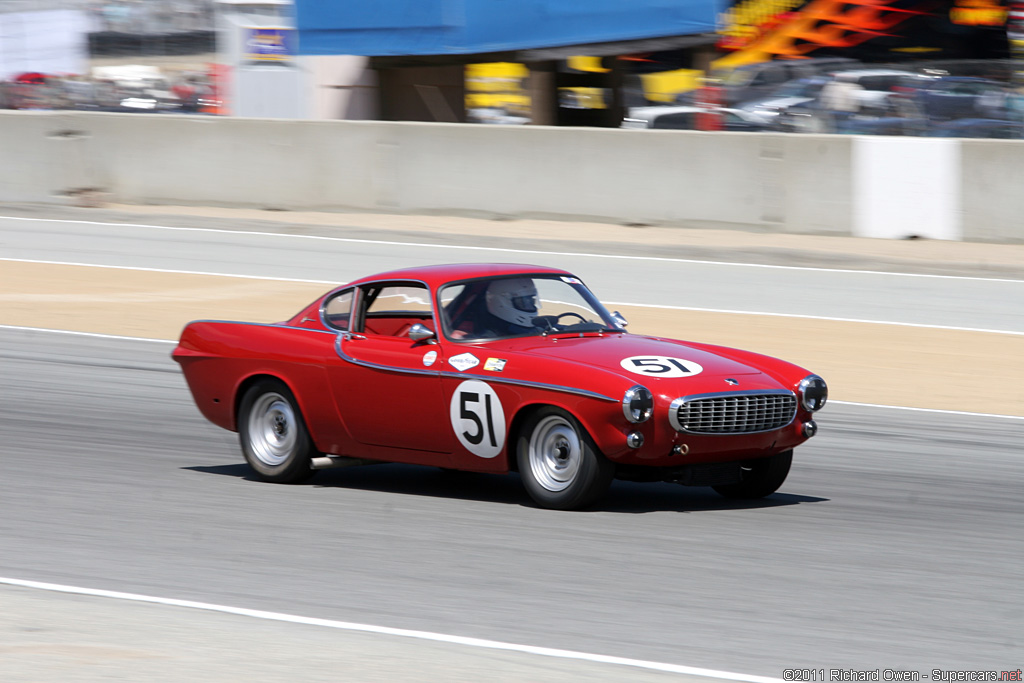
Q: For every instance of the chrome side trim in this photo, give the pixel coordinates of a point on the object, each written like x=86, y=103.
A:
x=673, y=409
x=460, y=375
x=533, y=385
x=277, y=325
x=377, y=366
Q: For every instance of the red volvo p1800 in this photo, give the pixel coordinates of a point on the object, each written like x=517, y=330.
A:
x=497, y=368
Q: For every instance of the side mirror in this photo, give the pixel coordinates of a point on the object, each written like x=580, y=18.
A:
x=419, y=332
x=619, y=320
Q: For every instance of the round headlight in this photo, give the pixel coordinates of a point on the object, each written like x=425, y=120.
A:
x=638, y=404
x=813, y=392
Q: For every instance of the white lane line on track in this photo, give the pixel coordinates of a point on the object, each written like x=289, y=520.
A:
x=818, y=317
x=401, y=632
x=847, y=403
x=610, y=303
x=929, y=410
x=509, y=251
x=169, y=270
x=87, y=334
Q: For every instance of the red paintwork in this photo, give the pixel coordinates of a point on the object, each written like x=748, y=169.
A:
x=398, y=416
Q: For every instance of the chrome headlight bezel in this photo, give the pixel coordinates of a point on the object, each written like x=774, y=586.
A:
x=813, y=393
x=638, y=404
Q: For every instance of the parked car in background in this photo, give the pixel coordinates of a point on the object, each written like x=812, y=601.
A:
x=872, y=89
x=877, y=86
x=886, y=124
x=998, y=129
x=959, y=97
x=754, y=81
x=732, y=120
x=795, y=93
x=686, y=118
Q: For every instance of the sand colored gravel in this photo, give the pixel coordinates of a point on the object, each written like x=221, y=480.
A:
x=863, y=362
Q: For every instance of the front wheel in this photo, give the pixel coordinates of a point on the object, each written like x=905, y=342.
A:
x=274, y=438
x=559, y=463
x=764, y=478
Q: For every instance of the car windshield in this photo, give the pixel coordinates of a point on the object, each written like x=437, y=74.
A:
x=521, y=306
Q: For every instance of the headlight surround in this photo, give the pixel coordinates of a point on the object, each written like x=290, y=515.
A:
x=638, y=404
x=813, y=393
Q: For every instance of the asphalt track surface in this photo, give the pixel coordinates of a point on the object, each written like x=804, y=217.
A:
x=895, y=543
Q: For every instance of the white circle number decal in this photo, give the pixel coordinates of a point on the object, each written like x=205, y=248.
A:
x=661, y=366
x=478, y=419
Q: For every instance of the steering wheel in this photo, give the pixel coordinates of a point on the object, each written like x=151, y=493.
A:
x=562, y=315
x=550, y=323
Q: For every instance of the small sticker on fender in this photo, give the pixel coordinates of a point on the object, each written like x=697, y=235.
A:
x=464, y=361
x=429, y=357
x=495, y=364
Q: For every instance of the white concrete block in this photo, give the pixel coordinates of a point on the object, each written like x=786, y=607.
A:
x=906, y=187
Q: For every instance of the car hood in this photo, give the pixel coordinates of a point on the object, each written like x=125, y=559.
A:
x=645, y=359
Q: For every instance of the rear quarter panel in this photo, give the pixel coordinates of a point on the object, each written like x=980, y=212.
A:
x=219, y=359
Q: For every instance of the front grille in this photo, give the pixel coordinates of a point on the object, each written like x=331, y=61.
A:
x=733, y=413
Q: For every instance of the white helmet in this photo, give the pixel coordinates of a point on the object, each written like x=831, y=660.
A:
x=513, y=300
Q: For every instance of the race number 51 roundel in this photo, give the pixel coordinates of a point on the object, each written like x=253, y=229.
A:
x=661, y=366
x=478, y=419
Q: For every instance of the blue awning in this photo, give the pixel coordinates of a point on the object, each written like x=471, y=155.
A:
x=456, y=27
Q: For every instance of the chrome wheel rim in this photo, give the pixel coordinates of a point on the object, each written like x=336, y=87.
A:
x=555, y=453
x=272, y=433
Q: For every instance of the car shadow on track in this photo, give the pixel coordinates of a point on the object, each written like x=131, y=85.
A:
x=415, y=480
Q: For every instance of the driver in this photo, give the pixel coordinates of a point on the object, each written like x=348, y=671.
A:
x=511, y=306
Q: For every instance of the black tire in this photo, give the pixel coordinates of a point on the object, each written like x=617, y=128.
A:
x=763, y=479
x=559, y=463
x=273, y=435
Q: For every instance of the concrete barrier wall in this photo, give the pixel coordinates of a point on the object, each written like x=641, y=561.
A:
x=992, y=196
x=785, y=183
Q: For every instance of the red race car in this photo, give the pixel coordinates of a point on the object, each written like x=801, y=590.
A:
x=497, y=368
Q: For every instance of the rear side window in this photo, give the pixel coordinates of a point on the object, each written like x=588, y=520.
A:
x=338, y=310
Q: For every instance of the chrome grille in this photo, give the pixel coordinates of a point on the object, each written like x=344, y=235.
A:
x=741, y=412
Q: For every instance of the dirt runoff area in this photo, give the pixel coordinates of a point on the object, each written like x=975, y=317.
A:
x=863, y=362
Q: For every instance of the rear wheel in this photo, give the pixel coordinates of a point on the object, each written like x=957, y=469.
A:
x=560, y=466
x=764, y=478
x=273, y=435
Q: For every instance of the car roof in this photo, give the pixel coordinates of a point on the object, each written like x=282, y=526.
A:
x=876, y=72
x=659, y=109
x=435, y=276
x=966, y=79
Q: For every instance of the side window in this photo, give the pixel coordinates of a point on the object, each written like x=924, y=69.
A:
x=338, y=310
x=391, y=309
